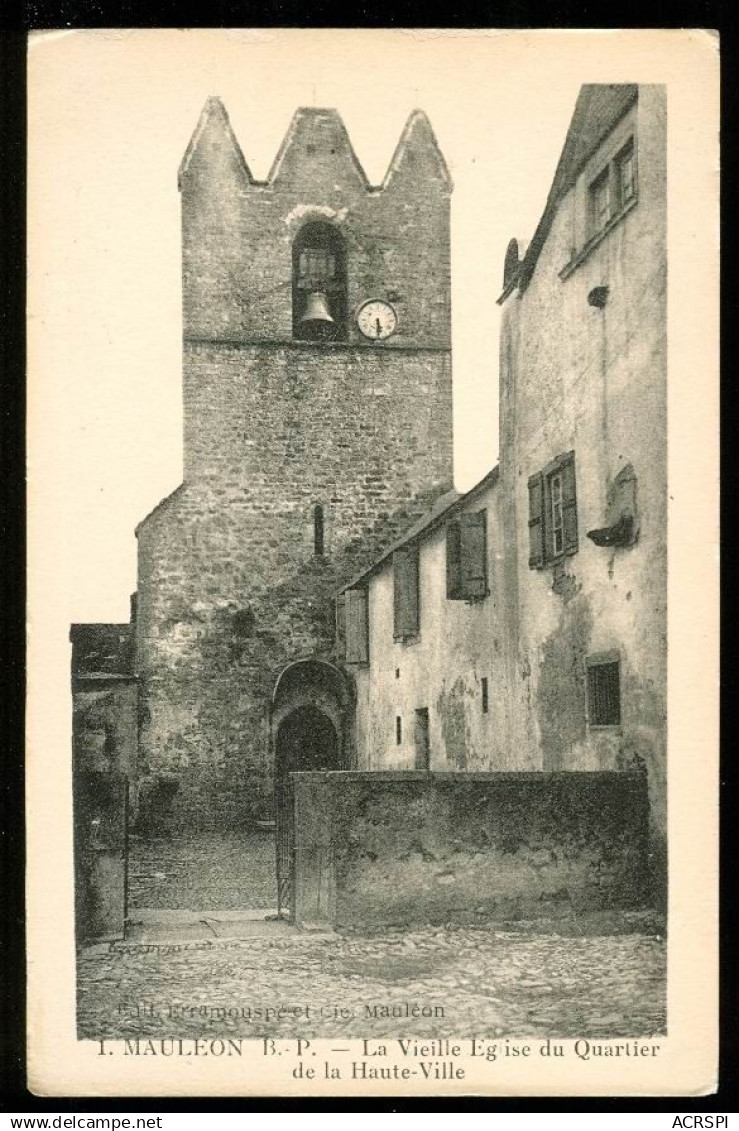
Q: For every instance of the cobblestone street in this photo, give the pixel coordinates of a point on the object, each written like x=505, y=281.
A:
x=598, y=977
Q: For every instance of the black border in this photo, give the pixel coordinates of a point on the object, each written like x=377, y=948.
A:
x=16, y=18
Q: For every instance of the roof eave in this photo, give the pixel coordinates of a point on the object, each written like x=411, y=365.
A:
x=424, y=532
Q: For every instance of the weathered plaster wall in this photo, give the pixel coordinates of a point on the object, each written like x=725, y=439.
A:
x=105, y=726
x=100, y=808
x=574, y=377
x=459, y=644
x=408, y=847
x=230, y=590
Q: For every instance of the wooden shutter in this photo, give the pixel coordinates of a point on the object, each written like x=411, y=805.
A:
x=536, y=522
x=341, y=603
x=569, y=504
x=454, y=562
x=357, y=644
x=473, y=542
x=405, y=584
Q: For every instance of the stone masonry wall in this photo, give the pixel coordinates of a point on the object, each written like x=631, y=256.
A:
x=105, y=726
x=399, y=848
x=221, y=631
x=230, y=590
x=237, y=234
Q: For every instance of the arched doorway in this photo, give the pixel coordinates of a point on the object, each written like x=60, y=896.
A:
x=306, y=740
x=310, y=715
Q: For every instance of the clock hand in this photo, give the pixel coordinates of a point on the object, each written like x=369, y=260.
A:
x=379, y=328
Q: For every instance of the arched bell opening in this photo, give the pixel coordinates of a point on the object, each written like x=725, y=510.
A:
x=319, y=283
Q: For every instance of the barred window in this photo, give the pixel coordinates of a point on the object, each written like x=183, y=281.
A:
x=604, y=693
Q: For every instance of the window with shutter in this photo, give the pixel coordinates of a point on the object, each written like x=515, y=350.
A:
x=553, y=512
x=405, y=587
x=536, y=522
x=453, y=562
x=340, y=605
x=473, y=553
x=357, y=636
x=569, y=505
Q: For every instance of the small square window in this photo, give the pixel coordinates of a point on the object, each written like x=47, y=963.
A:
x=604, y=694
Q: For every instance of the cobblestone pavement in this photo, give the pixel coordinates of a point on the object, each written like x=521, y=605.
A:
x=216, y=871
x=534, y=980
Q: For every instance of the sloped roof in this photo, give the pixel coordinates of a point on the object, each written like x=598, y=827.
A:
x=102, y=649
x=442, y=510
x=598, y=108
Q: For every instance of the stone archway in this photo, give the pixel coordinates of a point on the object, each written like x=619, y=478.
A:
x=310, y=727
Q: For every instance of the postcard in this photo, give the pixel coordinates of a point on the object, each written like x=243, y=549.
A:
x=373, y=590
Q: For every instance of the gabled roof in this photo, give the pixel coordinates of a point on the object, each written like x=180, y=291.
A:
x=445, y=507
x=598, y=108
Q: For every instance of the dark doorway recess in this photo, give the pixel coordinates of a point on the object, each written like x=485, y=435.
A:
x=306, y=740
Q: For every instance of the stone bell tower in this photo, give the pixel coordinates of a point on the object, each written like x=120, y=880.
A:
x=317, y=390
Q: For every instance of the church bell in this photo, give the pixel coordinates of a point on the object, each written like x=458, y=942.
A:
x=316, y=309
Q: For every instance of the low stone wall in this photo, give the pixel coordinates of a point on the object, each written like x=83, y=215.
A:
x=397, y=848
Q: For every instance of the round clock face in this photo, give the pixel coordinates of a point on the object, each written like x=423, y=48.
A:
x=377, y=319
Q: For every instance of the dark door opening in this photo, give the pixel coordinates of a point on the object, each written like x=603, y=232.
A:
x=305, y=740
x=423, y=747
